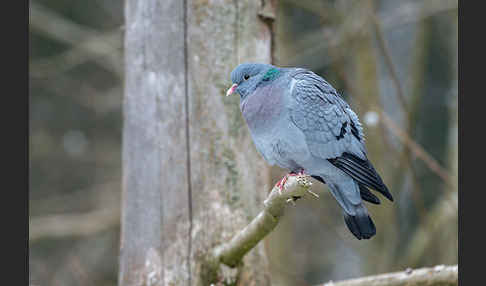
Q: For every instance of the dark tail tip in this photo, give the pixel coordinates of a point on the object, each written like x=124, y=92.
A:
x=361, y=226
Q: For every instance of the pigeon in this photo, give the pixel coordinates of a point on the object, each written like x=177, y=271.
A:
x=299, y=122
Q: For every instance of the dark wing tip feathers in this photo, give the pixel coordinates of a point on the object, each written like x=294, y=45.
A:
x=367, y=195
x=362, y=171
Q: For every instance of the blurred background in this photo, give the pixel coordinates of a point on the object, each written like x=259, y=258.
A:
x=395, y=62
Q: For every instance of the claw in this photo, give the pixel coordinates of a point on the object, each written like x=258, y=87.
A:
x=281, y=183
x=312, y=193
x=292, y=201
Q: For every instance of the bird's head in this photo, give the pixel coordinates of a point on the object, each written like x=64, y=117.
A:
x=246, y=78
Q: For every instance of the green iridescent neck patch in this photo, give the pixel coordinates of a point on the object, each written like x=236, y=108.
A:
x=271, y=74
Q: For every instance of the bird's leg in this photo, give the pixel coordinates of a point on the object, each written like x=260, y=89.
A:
x=281, y=185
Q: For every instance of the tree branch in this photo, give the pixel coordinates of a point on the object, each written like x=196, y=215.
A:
x=439, y=275
x=85, y=50
x=87, y=43
x=417, y=149
x=80, y=224
x=232, y=253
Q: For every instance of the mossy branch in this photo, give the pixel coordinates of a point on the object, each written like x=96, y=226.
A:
x=232, y=252
x=439, y=275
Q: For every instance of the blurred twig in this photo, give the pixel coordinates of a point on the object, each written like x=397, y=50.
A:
x=104, y=198
x=416, y=149
x=431, y=228
x=326, y=38
x=95, y=196
x=89, y=43
x=389, y=62
x=52, y=66
x=106, y=100
x=404, y=14
x=81, y=224
x=407, y=157
x=403, y=135
x=410, y=12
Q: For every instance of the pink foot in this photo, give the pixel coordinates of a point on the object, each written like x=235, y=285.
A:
x=281, y=183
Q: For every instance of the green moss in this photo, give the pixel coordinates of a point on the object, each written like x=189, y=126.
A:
x=232, y=178
x=210, y=271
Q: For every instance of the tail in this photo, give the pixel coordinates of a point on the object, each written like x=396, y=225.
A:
x=361, y=225
x=347, y=193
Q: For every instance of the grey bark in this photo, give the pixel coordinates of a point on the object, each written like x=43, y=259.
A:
x=191, y=175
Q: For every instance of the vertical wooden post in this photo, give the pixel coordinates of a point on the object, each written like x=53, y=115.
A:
x=191, y=175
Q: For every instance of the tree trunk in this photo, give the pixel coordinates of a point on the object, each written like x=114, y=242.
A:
x=191, y=175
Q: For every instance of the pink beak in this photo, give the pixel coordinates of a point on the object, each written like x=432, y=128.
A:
x=231, y=89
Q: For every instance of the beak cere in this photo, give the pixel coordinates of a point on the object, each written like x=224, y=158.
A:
x=231, y=89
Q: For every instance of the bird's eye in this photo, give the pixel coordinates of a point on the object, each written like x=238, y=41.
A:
x=246, y=77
